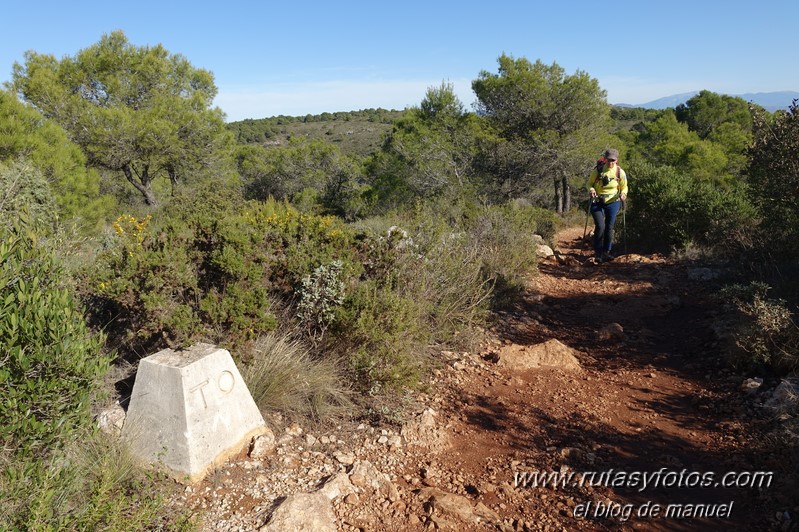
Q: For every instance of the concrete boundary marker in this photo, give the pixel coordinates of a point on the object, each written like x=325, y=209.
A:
x=190, y=411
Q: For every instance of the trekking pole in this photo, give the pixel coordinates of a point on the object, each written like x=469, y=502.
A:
x=624, y=223
x=587, y=216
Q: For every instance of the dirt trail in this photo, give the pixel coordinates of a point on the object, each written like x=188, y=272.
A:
x=653, y=398
x=651, y=416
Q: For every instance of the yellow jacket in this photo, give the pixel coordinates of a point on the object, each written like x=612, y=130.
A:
x=611, y=191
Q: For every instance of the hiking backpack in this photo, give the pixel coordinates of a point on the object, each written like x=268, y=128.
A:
x=600, y=166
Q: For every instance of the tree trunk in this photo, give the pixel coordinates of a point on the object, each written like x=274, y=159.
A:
x=558, y=197
x=567, y=195
x=143, y=184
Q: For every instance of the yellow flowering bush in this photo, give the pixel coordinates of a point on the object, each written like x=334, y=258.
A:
x=131, y=230
x=210, y=274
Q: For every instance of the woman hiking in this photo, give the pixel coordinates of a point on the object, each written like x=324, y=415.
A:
x=607, y=186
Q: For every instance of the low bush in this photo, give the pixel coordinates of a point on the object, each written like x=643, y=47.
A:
x=214, y=276
x=90, y=484
x=382, y=331
x=764, y=330
x=670, y=209
x=56, y=471
x=377, y=294
x=429, y=277
x=25, y=188
x=774, y=177
x=320, y=294
x=51, y=361
x=503, y=236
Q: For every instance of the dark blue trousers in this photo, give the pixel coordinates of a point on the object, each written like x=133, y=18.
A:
x=604, y=219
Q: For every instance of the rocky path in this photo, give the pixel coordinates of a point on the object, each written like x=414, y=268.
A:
x=600, y=403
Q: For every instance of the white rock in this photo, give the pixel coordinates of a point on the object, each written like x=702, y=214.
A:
x=303, y=512
x=751, y=385
x=543, y=251
x=370, y=474
x=338, y=485
x=345, y=458
x=111, y=420
x=263, y=445
x=424, y=431
x=294, y=430
x=552, y=353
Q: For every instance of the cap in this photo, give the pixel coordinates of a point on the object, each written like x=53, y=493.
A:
x=612, y=154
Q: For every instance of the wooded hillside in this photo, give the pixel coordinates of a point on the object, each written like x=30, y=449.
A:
x=355, y=132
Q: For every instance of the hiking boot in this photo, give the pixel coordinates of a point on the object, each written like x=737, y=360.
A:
x=598, y=258
x=608, y=256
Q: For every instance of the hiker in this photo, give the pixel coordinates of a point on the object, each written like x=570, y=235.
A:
x=607, y=186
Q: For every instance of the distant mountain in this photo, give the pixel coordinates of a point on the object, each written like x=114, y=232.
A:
x=771, y=101
x=669, y=101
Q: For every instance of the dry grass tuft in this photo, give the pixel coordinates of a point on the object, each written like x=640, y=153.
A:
x=283, y=376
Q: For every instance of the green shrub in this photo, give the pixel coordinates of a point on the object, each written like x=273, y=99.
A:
x=496, y=238
x=670, y=209
x=51, y=362
x=143, y=289
x=386, y=337
x=764, y=330
x=445, y=273
x=312, y=173
x=281, y=375
x=428, y=279
x=503, y=236
x=320, y=294
x=91, y=484
x=378, y=295
x=774, y=178
x=214, y=274
x=56, y=471
x=24, y=188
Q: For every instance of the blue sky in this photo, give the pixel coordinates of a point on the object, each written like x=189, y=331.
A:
x=297, y=57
